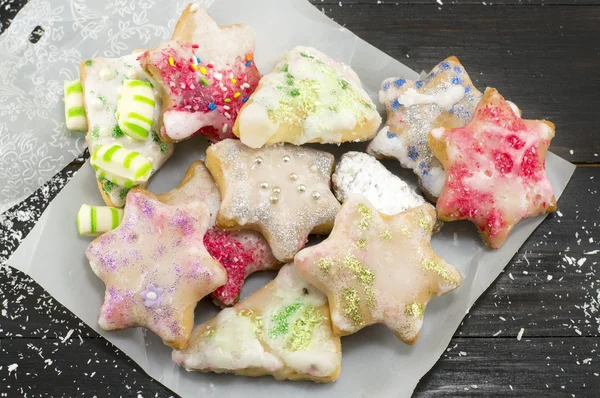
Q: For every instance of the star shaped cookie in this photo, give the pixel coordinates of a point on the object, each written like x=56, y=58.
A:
x=155, y=267
x=282, y=330
x=281, y=191
x=206, y=73
x=445, y=98
x=241, y=253
x=308, y=97
x=376, y=268
x=496, y=169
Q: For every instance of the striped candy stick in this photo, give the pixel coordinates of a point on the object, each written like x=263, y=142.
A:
x=121, y=166
x=135, y=109
x=74, y=112
x=96, y=220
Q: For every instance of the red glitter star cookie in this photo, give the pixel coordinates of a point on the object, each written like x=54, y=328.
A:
x=376, y=268
x=281, y=191
x=206, y=73
x=241, y=253
x=282, y=330
x=155, y=267
x=496, y=169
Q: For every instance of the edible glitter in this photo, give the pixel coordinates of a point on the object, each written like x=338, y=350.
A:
x=361, y=243
x=303, y=328
x=281, y=320
x=386, y=235
x=415, y=310
x=439, y=270
x=366, y=216
x=366, y=276
x=351, y=306
x=325, y=264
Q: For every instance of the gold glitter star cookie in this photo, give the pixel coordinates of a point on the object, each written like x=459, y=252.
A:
x=308, y=97
x=377, y=268
x=282, y=330
x=241, y=253
x=206, y=73
x=155, y=267
x=281, y=191
x=496, y=168
x=445, y=98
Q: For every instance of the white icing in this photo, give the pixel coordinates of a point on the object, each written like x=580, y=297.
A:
x=106, y=74
x=182, y=125
x=327, y=124
x=444, y=99
x=358, y=172
x=267, y=97
x=301, y=68
x=514, y=108
x=438, y=132
x=257, y=125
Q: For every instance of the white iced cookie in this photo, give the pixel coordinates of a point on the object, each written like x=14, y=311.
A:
x=308, y=97
x=74, y=112
x=96, y=220
x=358, y=172
x=120, y=165
x=282, y=330
x=135, y=109
x=103, y=83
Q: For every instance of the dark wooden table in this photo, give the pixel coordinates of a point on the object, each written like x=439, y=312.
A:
x=535, y=332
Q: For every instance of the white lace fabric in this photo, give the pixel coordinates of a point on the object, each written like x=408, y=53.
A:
x=34, y=142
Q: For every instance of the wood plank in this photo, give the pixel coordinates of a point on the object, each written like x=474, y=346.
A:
x=548, y=367
x=541, y=290
x=479, y=3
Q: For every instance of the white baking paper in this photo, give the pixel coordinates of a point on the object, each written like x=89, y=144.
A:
x=375, y=363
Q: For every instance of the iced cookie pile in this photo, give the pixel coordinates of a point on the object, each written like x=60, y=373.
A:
x=255, y=201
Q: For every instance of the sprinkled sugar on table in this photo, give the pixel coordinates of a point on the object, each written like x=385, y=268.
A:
x=536, y=330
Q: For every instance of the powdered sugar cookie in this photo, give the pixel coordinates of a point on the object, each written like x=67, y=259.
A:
x=360, y=173
x=281, y=191
x=241, y=253
x=308, y=97
x=103, y=81
x=282, y=330
x=376, y=268
x=155, y=267
x=496, y=169
x=206, y=73
x=445, y=98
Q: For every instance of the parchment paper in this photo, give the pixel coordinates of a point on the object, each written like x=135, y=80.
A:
x=375, y=362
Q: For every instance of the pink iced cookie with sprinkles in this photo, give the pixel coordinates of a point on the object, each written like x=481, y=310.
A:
x=241, y=253
x=496, y=173
x=206, y=73
x=155, y=267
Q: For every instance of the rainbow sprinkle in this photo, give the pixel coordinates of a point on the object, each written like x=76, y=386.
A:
x=227, y=100
x=245, y=99
x=234, y=81
x=203, y=70
x=212, y=106
x=236, y=95
x=205, y=81
x=171, y=62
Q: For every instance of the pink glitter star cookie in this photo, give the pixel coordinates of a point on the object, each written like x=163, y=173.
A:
x=496, y=169
x=155, y=267
x=206, y=73
x=377, y=268
x=241, y=253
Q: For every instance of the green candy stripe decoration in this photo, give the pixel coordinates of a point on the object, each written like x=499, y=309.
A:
x=96, y=220
x=120, y=165
x=74, y=111
x=135, y=109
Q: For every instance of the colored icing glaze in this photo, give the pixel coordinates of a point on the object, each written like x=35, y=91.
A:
x=496, y=169
x=308, y=97
x=445, y=98
x=96, y=220
x=102, y=80
x=378, y=269
x=135, y=109
x=358, y=172
x=282, y=330
x=74, y=111
x=281, y=191
x=241, y=253
x=155, y=267
x=206, y=73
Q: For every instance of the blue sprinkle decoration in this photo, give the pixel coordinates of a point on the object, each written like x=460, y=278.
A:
x=386, y=86
x=396, y=104
x=391, y=135
x=419, y=84
x=457, y=69
x=245, y=99
x=457, y=80
x=212, y=106
x=467, y=89
x=248, y=63
x=412, y=152
x=399, y=83
x=445, y=65
x=198, y=60
x=424, y=167
x=451, y=111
